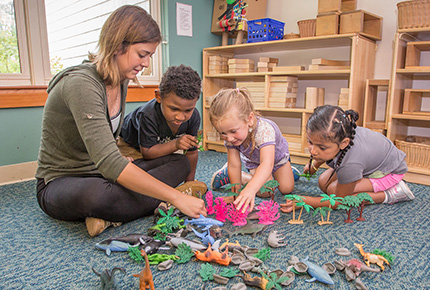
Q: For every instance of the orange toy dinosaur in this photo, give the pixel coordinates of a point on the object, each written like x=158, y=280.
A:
x=372, y=258
x=253, y=281
x=145, y=276
x=214, y=256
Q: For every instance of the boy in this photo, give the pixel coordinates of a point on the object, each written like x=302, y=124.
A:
x=169, y=122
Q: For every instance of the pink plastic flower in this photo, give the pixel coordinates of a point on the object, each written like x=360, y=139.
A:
x=210, y=202
x=220, y=208
x=268, y=212
x=236, y=216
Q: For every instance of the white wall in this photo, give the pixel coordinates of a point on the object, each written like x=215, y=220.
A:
x=291, y=11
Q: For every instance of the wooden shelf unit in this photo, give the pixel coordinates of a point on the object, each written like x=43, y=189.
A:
x=408, y=75
x=361, y=53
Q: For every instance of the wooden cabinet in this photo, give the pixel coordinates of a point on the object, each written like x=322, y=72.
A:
x=409, y=109
x=358, y=50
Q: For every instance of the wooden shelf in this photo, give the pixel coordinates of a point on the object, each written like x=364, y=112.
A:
x=411, y=117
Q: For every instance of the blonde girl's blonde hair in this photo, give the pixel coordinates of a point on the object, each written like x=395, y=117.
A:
x=127, y=25
x=228, y=99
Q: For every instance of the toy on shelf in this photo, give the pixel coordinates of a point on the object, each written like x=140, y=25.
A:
x=268, y=212
x=107, y=277
x=221, y=209
x=237, y=217
x=364, y=199
x=213, y=256
x=249, y=229
x=209, y=201
x=276, y=240
x=332, y=198
x=145, y=276
x=372, y=258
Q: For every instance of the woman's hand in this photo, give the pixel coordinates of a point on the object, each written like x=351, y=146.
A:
x=191, y=206
x=245, y=200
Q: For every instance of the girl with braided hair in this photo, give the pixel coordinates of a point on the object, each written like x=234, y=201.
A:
x=359, y=159
x=253, y=140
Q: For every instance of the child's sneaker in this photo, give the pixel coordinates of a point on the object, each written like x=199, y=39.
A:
x=220, y=178
x=296, y=173
x=195, y=188
x=397, y=193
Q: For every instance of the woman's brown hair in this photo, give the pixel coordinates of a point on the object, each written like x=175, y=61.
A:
x=127, y=25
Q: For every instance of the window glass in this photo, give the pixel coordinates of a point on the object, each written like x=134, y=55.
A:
x=9, y=53
x=74, y=28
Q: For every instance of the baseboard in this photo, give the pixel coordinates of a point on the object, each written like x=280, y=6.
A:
x=17, y=172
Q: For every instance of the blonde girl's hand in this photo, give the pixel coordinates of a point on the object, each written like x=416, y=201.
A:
x=245, y=201
x=191, y=206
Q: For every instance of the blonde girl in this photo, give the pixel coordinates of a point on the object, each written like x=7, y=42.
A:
x=253, y=140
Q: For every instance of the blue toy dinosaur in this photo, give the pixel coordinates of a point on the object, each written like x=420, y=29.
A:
x=204, y=222
x=115, y=246
x=317, y=273
x=206, y=238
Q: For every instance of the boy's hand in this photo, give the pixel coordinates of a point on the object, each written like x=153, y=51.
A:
x=245, y=200
x=191, y=206
x=186, y=142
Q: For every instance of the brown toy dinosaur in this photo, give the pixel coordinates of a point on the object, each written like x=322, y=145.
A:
x=214, y=256
x=145, y=276
x=253, y=281
x=372, y=258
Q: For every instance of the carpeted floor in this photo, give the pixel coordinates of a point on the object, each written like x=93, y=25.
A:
x=38, y=252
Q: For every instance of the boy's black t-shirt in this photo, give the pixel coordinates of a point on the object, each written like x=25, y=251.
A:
x=146, y=126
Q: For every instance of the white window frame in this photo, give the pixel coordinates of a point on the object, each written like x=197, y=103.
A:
x=34, y=57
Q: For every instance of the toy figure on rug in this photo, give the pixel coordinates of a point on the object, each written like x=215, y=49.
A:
x=253, y=140
x=107, y=277
x=359, y=159
x=145, y=276
x=372, y=258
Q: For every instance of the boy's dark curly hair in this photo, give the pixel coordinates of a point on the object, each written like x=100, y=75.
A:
x=181, y=80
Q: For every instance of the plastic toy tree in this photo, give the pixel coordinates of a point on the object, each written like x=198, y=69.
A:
x=332, y=198
x=230, y=192
x=363, y=198
x=270, y=187
x=323, y=212
x=206, y=272
x=305, y=206
x=295, y=199
x=236, y=216
x=210, y=202
x=171, y=222
x=184, y=253
x=220, y=208
x=268, y=212
x=273, y=281
x=348, y=203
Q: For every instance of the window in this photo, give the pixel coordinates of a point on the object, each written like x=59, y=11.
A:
x=61, y=33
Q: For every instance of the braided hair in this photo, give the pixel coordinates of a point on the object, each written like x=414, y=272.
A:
x=334, y=124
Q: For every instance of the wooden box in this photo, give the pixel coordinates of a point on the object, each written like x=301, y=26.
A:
x=414, y=50
x=314, y=97
x=412, y=102
x=336, y=5
x=327, y=24
x=363, y=22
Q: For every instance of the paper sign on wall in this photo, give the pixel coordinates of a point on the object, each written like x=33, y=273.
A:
x=184, y=19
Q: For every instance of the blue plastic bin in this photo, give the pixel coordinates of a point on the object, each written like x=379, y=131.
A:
x=265, y=29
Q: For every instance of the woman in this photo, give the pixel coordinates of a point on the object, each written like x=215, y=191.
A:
x=81, y=173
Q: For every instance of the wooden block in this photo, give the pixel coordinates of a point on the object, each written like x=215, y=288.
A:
x=262, y=64
x=336, y=5
x=314, y=97
x=288, y=68
x=269, y=59
x=283, y=84
x=239, y=70
x=283, y=79
x=329, y=62
x=414, y=51
x=272, y=64
x=363, y=22
x=327, y=24
x=240, y=65
x=328, y=67
x=412, y=103
x=240, y=60
x=344, y=90
x=263, y=69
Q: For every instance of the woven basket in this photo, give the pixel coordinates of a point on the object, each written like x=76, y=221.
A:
x=417, y=150
x=413, y=14
x=307, y=28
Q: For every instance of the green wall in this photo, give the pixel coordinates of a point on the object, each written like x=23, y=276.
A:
x=20, y=129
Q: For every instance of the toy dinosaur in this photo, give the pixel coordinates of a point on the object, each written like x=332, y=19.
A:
x=357, y=267
x=115, y=246
x=372, y=258
x=204, y=222
x=249, y=229
x=206, y=237
x=108, y=281
x=145, y=276
x=253, y=281
x=214, y=256
x=231, y=246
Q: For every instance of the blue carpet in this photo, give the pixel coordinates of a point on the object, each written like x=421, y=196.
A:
x=38, y=252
